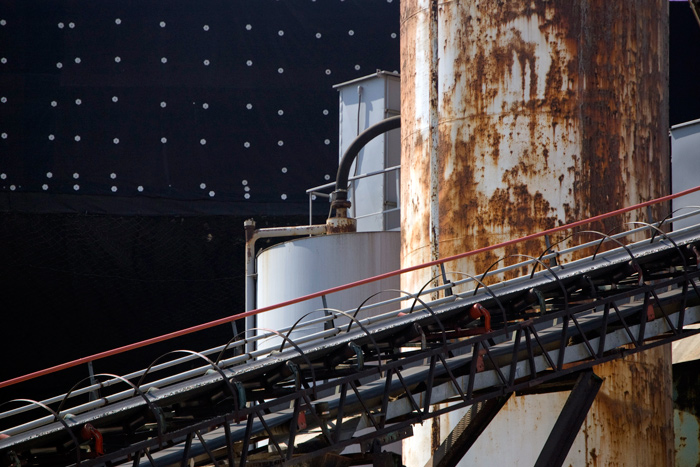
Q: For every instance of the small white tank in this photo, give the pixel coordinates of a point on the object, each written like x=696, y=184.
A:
x=312, y=264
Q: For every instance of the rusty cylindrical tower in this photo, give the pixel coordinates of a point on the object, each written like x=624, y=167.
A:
x=522, y=115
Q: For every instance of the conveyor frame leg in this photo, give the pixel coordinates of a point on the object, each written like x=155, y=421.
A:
x=567, y=426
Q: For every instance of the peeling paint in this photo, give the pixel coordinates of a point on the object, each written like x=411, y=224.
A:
x=548, y=113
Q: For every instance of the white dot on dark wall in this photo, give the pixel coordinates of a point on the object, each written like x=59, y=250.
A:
x=3, y=22
x=117, y=59
x=44, y=187
x=280, y=112
x=205, y=106
x=280, y=143
x=246, y=144
x=59, y=65
x=3, y=176
x=318, y=35
x=393, y=35
x=112, y=175
x=202, y=141
x=71, y=25
x=284, y=196
x=12, y=187
x=77, y=60
x=205, y=27
x=202, y=185
x=54, y=103
x=76, y=175
x=78, y=102
x=326, y=142
x=77, y=137
x=49, y=174
x=249, y=62
x=164, y=60
x=357, y=67
x=313, y=197
x=280, y=70
x=246, y=188
x=115, y=98
x=328, y=72
x=3, y=99
x=162, y=24
x=248, y=27
x=280, y=33
x=351, y=33
x=76, y=187
x=60, y=25
x=244, y=182
x=115, y=140
x=51, y=137
x=114, y=189
x=325, y=112
x=139, y=188
x=4, y=136
x=246, y=196
x=163, y=104
x=164, y=140
x=206, y=62
x=249, y=106
x=284, y=170
x=327, y=177
x=211, y=193
x=117, y=21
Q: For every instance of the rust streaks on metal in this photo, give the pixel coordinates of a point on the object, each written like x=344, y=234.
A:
x=626, y=409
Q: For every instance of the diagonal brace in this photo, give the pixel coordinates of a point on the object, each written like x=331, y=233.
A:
x=570, y=420
x=467, y=431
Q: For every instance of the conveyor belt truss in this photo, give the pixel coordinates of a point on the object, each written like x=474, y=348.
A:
x=367, y=382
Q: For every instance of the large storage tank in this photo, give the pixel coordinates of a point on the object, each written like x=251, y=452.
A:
x=519, y=116
x=307, y=265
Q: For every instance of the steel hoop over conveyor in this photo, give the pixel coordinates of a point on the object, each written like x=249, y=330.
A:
x=366, y=382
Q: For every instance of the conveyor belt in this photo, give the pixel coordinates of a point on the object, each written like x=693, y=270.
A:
x=383, y=375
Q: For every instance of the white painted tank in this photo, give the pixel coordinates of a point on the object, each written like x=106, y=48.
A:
x=312, y=264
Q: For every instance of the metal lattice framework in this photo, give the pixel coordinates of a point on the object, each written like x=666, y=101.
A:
x=367, y=382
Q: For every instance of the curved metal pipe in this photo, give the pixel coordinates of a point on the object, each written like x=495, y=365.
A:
x=340, y=194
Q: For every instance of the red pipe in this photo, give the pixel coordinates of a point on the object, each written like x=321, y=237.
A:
x=228, y=319
x=477, y=311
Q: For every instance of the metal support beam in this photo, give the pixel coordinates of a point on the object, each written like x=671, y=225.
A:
x=570, y=420
x=465, y=434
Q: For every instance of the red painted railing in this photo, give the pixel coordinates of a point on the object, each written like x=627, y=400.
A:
x=229, y=319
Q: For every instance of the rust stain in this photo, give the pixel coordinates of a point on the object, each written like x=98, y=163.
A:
x=634, y=404
x=434, y=434
x=550, y=112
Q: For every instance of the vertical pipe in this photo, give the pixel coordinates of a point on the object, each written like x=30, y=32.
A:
x=434, y=138
x=250, y=289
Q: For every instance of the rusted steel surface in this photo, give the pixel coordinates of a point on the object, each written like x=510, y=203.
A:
x=415, y=138
x=548, y=112
x=634, y=404
x=686, y=408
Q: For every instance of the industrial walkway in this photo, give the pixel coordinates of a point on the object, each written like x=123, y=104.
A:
x=366, y=382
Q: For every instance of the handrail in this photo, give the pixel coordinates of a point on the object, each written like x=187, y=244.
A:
x=303, y=298
x=314, y=191
x=175, y=378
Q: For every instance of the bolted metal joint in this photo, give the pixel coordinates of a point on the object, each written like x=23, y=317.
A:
x=339, y=196
x=341, y=223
